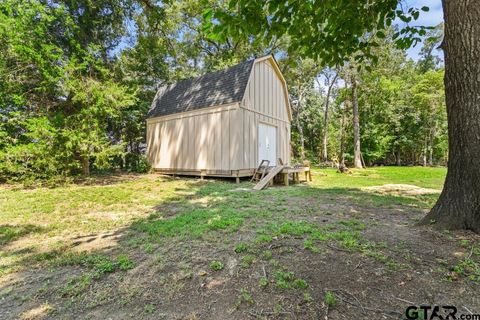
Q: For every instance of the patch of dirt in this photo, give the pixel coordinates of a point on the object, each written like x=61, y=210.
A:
x=174, y=279
x=95, y=242
x=39, y=312
x=401, y=189
x=106, y=180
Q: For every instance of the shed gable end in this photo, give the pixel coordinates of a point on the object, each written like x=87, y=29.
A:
x=266, y=91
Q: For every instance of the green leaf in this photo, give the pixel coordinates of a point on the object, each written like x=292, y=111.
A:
x=380, y=34
x=207, y=14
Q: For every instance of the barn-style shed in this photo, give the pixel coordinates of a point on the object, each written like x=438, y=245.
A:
x=223, y=123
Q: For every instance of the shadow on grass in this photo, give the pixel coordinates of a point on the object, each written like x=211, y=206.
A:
x=229, y=206
x=9, y=233
x=210, y=212
x=210, y=206
x=371, y=198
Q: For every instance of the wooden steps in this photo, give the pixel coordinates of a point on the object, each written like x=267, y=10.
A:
x=269, y=177
x=265, y=164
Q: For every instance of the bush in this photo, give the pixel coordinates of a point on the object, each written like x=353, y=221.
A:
x=142, y=165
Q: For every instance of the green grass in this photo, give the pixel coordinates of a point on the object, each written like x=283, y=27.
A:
x=41, y=223
x=247, y=261
x=264, y=233
x=244, y=297
x=262, y=230
x=353, y=186
x=216, y=265
x=126, y=197
x=308, y=244
x=418, y=176
x=124, y=263
x=149, y=308
x=96, y=208
x=469, y=266
x=263, y=282
x=241, y=247
x=82, y=208
x=10, y=233
x=287, y=280
x=330, y=299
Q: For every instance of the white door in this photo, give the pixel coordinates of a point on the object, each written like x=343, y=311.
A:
x=267, y=143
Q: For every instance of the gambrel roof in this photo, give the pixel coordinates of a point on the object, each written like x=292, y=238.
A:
x=212, y=89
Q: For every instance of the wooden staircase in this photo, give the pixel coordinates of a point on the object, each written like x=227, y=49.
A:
x=269, y=177
x=263, y=167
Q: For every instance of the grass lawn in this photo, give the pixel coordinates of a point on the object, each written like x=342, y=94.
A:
x=148, y=246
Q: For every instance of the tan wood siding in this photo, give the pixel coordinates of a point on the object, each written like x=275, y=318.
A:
x=265, y=92
x=236, y=141
x=225, y=144
x=199, y=141
x=190, y=123
x=223, y=138
x=266, y=101
x=217, y=139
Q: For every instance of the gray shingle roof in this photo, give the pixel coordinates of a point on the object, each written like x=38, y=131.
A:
x=212, y=89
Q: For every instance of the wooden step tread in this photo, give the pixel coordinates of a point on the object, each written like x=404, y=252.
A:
x=263, y=183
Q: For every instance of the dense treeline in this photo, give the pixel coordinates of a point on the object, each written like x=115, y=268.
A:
x=77, y=78
x=401, y=104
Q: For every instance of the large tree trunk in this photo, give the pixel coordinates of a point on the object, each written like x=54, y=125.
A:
x=325, y=120
x=342, y=139
x=343, y=122
x=459, y=204
x=325, y=129
x=356, y=126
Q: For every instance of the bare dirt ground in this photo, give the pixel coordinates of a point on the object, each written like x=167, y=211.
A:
x=281, y=261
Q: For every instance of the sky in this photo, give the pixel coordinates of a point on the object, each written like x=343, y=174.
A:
x=431, y=18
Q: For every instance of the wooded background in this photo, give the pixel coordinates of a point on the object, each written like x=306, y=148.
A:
x=77, y=78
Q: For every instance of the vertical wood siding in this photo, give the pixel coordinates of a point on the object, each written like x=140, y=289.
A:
x=225, y=139
x=197, y=142
x=265, y=99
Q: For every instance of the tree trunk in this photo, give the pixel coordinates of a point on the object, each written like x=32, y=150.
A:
x=356, y=126
x=430, y=148
x=342, y=130
x=85, y=165
x=459, y=204
x=430, y=156
x=325, y=130
x=424, y=154
x=299, y=126
x=300, y=134
x=342, y=139
x=397, y=157
x=325, y=120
